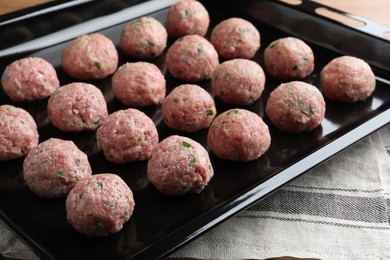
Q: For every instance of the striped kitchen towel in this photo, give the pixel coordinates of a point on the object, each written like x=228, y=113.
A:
x=339, y=210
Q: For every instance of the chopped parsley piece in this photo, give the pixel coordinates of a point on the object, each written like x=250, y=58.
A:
x=60, y=174
x=81, y=194
x=295, y=68
x=96, y=220
x=232, y=112
x=78, y=162
x=184, y=13
x=205, y=76
x=311, y=110
x=209, y=112
x=200, y=49
x=185, y=144
x=100, y=184
x=112, y=204
x=192, y=161
x=175, y=100
x=148, y=43
x=273, y=45
x=97, y=65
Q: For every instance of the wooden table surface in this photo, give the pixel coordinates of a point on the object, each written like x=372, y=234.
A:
x=376, y=10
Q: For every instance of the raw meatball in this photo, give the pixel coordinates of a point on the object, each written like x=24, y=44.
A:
x=347, y=79
x=144, y=38
x=188, y=108
x=187, y=17
x=99, y=205
x=18, y=132
x=77, y=107
x=192, y=58
x=126, y=136
x=52, y=168
x=29, y=79
x=238, y=81
x=289, y=58
x=296, y=107
x=139, y=84
x=235, y=38
x=179, y=165
x=238, y=135
x=91, y=56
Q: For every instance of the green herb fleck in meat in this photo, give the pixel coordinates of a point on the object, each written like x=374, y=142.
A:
x=100, y=184
x=185, y=144
x=273, y=45
x=78, y=162
x=97, y=65
x=97, y=220
x=192, y=161
x=200, y=50
x=232, y=112
x=148, y=43
x=184, y=14
x=205, y=76
x=209, y=112
x=112, y=204
x=295, y=68
x=175, y=100
x=311, y=110
x=60, y=174
x=81, y=194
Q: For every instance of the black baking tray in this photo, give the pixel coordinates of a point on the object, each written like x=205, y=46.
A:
x=161, y=224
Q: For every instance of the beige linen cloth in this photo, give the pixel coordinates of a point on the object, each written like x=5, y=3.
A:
x=339, y=210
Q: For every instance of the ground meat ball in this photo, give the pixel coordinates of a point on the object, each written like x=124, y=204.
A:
x=238, y=135
x=296, y=107
x=77, y=107
x=99, y=205
x=53, y=168
x=29, y=79
x=238, y=81
x=192, y=58
x=18, y=132
x=91, y=56
x=235, y=38
x=289, y=58
x=187, y=17
x=139, y=84
x=126, y=136
x=188, y=108
x=347, y=79
x=179, y=165
x=144, y=38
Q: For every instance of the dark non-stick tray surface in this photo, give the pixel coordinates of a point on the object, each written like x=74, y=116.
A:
x=161, y=224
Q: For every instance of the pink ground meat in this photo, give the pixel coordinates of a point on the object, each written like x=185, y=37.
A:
x=99, y=205
x=77, y=107
x=52, y=168
x=143, y=38
x=179, y=165
x=188, y=108
x=187, y=17
x=296, y=107
x=289, y=58
x=18, y=132
x=238, y=81
x=29, y=79
x=90, y=56
x=235, y=38
x=347, y=79
x=126, y=136
x=192, y=58
x=238, y=135
x=139, y=84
